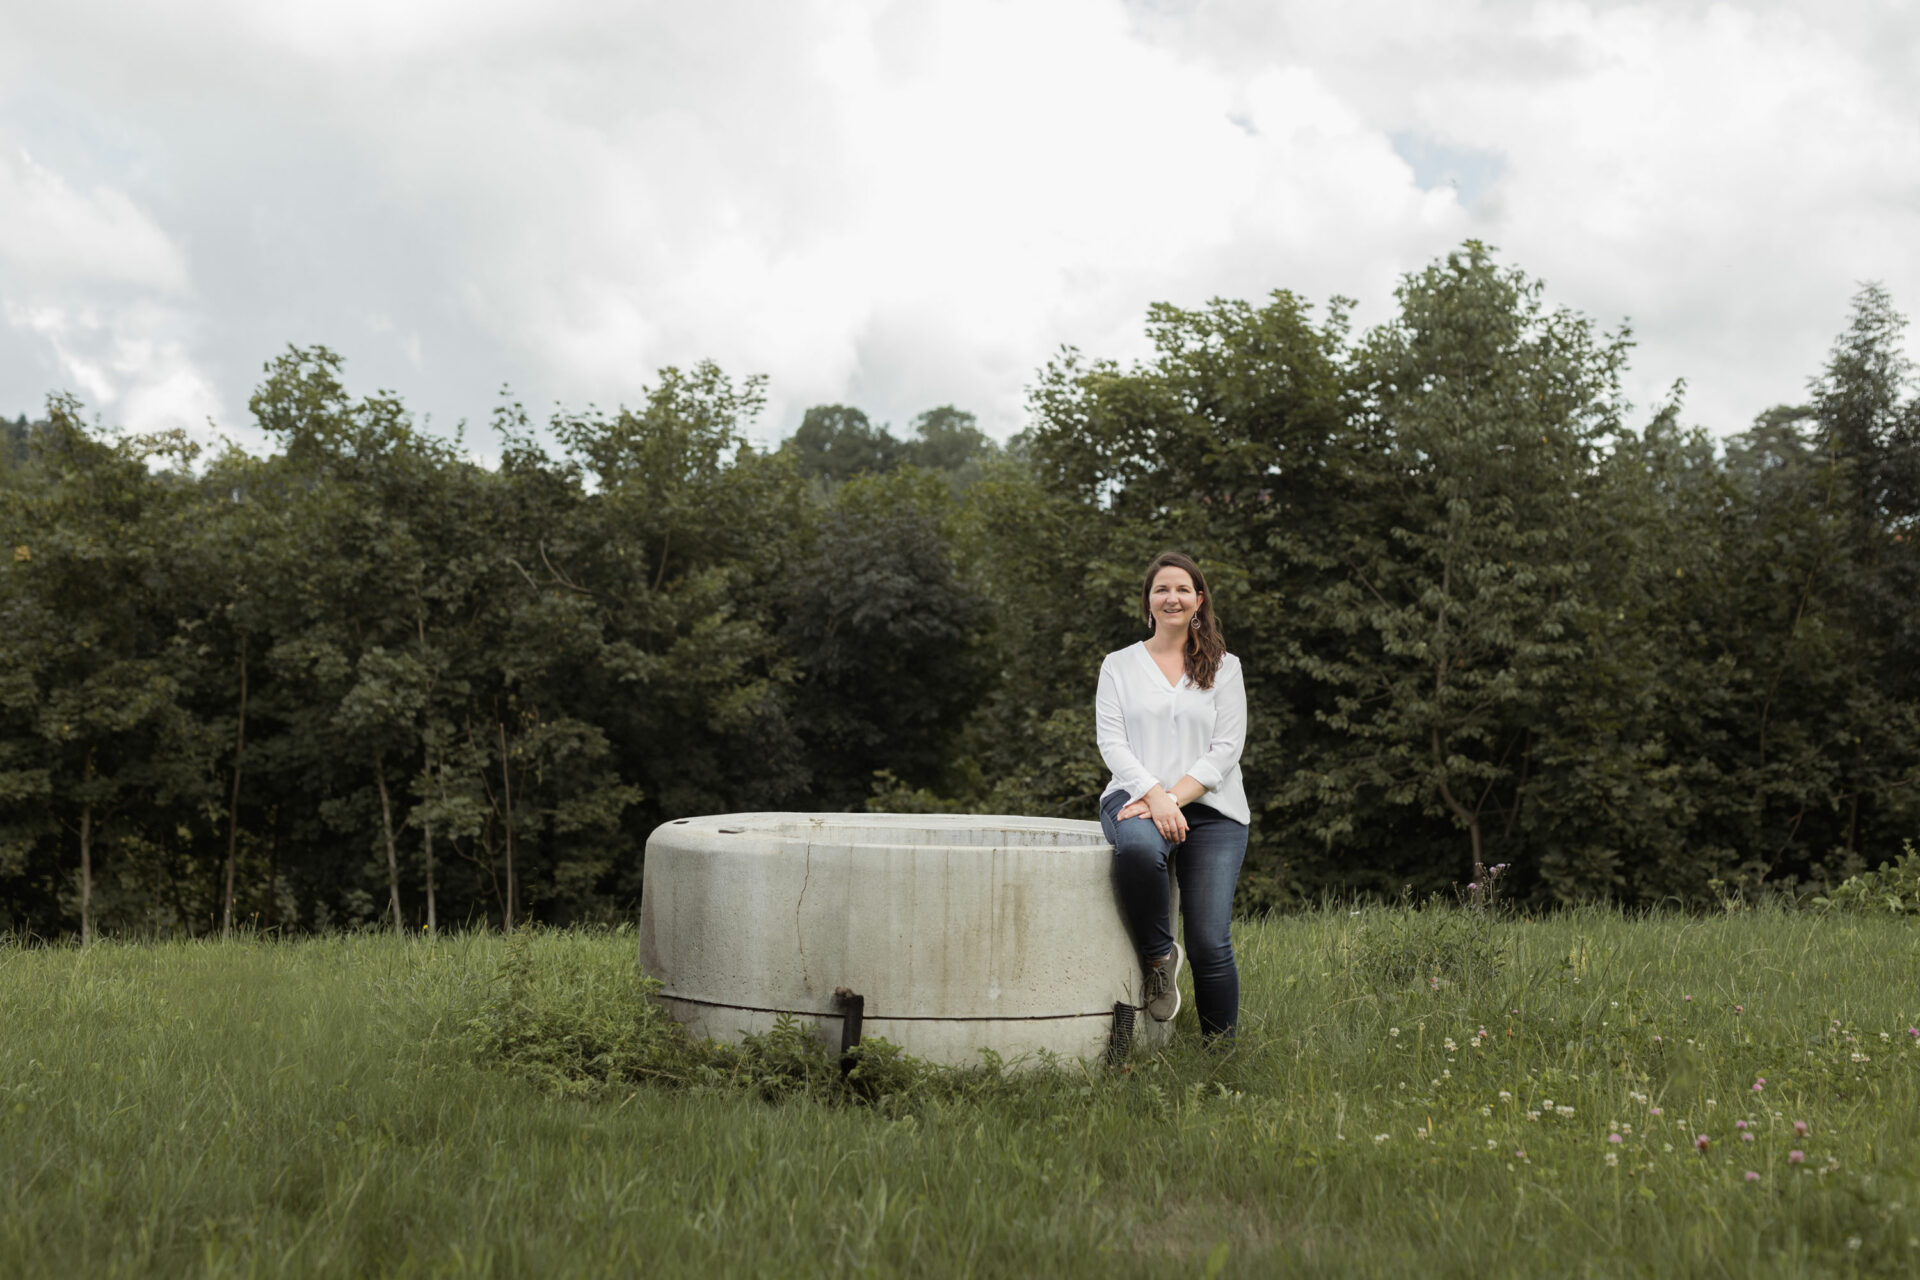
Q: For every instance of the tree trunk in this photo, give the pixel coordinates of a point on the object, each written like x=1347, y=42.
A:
x=506, y=778
x=393, y=855
x=273, y=868
x=233, y=804
x=1465, y=815
x=86, y=860
x=433, y=923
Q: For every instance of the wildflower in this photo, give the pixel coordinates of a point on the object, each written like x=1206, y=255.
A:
x=1394, y=1032
x=1885, y=1036
x=1746, y=1137
x=1379, y=1138
x=1615, y=1139
x=1451, y=1046
x=1914, y=1032
x=1486, y=1111
x=1626, y=1128
x=1759, y=1086
x=1752, y=1176
x=1505, y=1096
x=1658, y=1040
x=1492, y=1143
x=1799, y=1128
x=1653, y=1111
x=1795, y=1157
x=1702, y=1142
x=1563, y=1111
x=1533, y=1115
x=1613, y=1158
x=1712, y=1103
x=1853, y=1242
x=1859, y=1057
x=1688, y=999
x=1666, y=1146
x=1445, y=1074
x=1739, y=1009
x=1739, y=1124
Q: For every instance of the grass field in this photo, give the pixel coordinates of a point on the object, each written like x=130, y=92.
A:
x=1414, y=1093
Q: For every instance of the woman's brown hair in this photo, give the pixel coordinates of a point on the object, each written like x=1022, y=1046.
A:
x=1205, y=645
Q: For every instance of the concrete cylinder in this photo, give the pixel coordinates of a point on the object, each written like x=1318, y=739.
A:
x=961, y=932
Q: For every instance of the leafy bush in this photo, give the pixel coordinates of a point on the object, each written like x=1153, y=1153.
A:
x=1436, y=944
x=581, y=1022
x=1894, y=889
x=583, y=1026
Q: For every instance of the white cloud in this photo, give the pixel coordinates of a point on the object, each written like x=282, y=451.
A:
x=904, y=204
x=53, y=234
x=96, y=288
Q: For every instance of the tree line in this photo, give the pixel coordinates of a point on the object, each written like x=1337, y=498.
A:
x=1486, y=616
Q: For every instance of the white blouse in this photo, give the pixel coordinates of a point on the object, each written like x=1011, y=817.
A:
x=1151, y=731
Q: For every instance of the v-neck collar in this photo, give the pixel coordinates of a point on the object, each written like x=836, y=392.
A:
x=1159, y=675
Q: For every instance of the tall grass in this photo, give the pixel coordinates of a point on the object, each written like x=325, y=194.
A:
x=341, y=1107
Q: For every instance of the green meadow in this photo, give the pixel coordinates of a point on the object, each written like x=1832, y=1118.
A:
x=1415, y=1092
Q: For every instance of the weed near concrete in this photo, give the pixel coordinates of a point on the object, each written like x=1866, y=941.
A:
x=1408, y=1096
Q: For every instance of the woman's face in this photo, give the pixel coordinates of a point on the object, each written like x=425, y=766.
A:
x=1171, y=599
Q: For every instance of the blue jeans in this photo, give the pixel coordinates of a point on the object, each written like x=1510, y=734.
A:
x=1207, y=868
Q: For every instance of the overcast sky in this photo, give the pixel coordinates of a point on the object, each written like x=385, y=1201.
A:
x=901, y=205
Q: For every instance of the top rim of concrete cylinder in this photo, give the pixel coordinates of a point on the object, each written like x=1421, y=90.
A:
x=896, y=830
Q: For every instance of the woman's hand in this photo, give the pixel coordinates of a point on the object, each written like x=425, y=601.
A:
x=1166, y=815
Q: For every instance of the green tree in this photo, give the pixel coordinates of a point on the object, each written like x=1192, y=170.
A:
x=837, y=442
x=97, y=747
x=1478, y=416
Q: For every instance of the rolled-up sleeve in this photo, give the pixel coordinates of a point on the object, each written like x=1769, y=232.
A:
x=1110, y=728
x=1229, y=730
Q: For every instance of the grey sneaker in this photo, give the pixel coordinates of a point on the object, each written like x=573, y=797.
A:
x=1163, y=986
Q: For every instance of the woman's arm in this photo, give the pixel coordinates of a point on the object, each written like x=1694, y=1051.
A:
x=1229, y=732
x=1110, y=730
x=1184, y=793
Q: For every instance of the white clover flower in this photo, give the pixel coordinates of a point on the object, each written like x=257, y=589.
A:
x=1613, y=1158
x=1379, y=1138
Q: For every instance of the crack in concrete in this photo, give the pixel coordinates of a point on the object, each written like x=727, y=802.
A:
x=799, y=935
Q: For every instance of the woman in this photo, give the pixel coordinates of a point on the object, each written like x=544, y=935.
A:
x=1171, y=714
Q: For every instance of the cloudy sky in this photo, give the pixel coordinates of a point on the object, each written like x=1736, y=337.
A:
x=911, y=203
